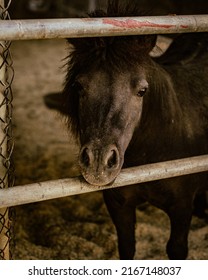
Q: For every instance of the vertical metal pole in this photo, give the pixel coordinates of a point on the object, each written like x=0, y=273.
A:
x=4, y=219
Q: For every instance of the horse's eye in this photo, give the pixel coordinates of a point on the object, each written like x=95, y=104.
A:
x=141, y=92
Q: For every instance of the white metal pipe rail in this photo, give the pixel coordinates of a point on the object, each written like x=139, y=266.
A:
x=72, y=186
x=94, y=27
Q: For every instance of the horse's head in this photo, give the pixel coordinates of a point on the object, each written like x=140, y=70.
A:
x=104, y=90
x=105, y=96
x=110, y=106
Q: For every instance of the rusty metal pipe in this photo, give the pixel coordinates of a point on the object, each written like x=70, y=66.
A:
x=93, y=27
x=73, y=186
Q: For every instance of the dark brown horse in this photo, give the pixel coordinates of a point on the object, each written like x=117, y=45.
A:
x=127, y=109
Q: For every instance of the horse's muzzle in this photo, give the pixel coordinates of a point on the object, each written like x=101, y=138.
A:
x=99, y=165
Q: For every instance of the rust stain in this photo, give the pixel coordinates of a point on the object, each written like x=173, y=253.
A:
x=184, y=26
x=129, y=23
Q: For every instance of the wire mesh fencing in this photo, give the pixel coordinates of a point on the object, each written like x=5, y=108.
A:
x=6, y=139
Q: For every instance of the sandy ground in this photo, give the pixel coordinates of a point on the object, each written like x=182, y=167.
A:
x=75, y=227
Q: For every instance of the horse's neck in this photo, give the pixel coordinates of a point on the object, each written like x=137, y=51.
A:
x=169, y=128
x=161, y=103
x=157, y=124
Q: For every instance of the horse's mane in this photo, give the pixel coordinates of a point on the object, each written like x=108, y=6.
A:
x=115, y=53
x=111, y=50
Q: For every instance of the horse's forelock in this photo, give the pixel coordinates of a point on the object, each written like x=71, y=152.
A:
x=131, y=43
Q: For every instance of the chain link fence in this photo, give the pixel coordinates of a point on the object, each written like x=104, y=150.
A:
x=6, y=139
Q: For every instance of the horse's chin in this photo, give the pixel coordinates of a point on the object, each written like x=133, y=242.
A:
x=99, y=180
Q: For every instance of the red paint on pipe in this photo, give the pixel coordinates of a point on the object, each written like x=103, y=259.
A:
x=129, y=23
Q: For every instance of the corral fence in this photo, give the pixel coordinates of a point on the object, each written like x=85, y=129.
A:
x=62, y=28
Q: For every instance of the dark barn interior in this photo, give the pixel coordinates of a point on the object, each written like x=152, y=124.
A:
x=77, y=227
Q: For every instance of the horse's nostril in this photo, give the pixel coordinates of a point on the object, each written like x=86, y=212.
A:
x=85, y=158
x=112, y=159
x=99, y=161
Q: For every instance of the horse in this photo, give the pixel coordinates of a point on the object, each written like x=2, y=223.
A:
x=126, y=108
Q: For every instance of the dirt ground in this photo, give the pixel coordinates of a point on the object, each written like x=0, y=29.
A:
x=75, y=227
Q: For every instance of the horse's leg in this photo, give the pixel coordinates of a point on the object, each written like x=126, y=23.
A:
x=175, y=196
x=180, y=219
x=200, y=205
x=123, y=216
x=180, y=212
